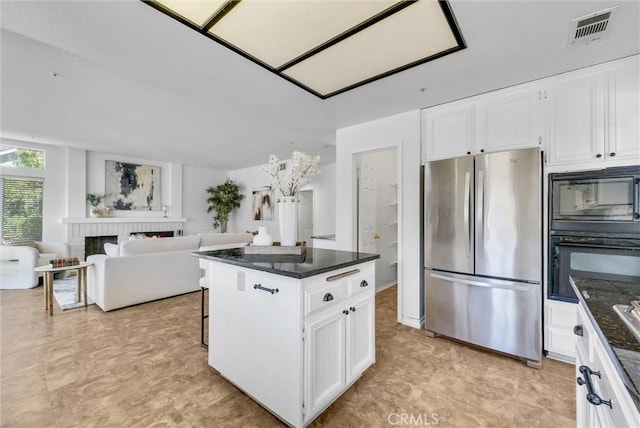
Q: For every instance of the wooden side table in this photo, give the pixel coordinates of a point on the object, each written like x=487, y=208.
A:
x=48, y=271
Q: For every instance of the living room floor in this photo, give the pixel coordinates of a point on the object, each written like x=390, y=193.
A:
x=144, y=366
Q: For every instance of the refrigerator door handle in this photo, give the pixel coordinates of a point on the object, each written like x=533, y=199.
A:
x=467, y=203
x=511, y=286
x=480, y=217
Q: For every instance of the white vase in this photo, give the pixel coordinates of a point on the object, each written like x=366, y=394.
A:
x=288, y=220
x=262, y=238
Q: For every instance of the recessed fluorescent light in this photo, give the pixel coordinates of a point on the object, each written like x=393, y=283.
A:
x=325, y=47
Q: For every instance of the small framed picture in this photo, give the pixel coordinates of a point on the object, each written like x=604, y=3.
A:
x=263, y=204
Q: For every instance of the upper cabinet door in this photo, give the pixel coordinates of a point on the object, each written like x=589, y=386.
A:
x=624, y=111
x=447, y=131
x=508, y=121
x=575, y=119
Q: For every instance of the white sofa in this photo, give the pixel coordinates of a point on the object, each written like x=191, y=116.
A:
x=143, y=270
x=18, y=262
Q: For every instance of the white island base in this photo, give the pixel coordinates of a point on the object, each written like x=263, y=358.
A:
x=293, y=345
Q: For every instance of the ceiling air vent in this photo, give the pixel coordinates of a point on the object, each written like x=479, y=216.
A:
x=592, y=27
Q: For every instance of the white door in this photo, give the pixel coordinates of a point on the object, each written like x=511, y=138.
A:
x=360, y=337
x=367, y=201
x=305, y=217
x=324, y=357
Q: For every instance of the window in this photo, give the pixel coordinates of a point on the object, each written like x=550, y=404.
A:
x=22, y=207
x=21, y=158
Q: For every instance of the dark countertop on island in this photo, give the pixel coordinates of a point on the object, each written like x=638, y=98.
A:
x=314, y=262
x=599, y=296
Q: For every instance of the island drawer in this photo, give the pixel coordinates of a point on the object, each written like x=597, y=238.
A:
x=324, y=296
x=362, y=282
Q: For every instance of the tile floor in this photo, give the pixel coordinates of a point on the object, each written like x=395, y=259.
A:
x=143, y=366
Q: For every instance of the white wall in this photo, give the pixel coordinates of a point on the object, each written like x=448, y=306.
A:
x=195, y=181
x=401, y=131
x=322, y=184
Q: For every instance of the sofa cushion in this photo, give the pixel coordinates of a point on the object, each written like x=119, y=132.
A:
x=111, y=250
x=145, y=246
x=213, y=238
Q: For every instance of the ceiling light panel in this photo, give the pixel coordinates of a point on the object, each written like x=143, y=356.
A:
x=415, y=33
x=197, y=12
x=325, y=46
x=276, y=32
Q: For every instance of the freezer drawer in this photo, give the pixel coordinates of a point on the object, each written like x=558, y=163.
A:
x=497, y=314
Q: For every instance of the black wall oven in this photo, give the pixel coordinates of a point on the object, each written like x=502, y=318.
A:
x=594, y=227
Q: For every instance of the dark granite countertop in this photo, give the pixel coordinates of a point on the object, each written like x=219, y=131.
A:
x=327, y=237
x=314, y=262
x=599, y=296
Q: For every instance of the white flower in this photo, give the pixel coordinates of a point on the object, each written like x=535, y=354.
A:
x=291, y=179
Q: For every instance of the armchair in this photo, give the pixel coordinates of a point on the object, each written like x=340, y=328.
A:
x=18, y=262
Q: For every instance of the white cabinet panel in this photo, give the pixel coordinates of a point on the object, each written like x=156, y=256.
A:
x=448, y=131
x=509, y=120
x=575, y=112
x=624, y=113
x=360, y=342
x=324, y=361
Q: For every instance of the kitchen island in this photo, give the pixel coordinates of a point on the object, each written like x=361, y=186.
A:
x=293, y=332
x=607, y=354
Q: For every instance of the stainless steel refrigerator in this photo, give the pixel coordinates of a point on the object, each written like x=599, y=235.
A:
x=483, y=250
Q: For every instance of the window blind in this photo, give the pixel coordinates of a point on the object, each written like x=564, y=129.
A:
x=22, y=208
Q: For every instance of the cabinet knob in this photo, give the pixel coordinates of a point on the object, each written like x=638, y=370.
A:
x=578, y=330
x=598, y=155
x=468, y=153
x=481, y=150
x=352, y=309
x=364, y=283
x=612, y=154
x=346, y=312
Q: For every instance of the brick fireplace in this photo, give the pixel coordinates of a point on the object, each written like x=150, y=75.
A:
x=121, y=227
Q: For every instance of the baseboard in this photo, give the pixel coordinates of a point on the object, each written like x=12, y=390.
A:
x=412, y=322
x=559, y=357
x=384, y=287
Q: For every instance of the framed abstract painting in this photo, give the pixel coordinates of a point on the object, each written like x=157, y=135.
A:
x=130, y=186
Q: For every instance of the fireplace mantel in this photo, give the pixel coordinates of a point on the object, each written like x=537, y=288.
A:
x=97, y=220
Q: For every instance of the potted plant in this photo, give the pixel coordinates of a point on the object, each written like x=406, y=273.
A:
x=94, y=200
x=222, y=200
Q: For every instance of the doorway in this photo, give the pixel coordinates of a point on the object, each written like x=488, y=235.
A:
x=305, y=216
x=377, y=212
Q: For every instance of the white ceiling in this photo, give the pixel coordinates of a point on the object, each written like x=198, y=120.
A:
x=133, y=81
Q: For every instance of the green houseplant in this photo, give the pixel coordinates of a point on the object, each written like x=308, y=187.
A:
x=222, y=200
x=94, y=200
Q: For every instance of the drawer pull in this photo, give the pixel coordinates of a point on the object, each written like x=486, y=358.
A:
x=364, y=283
x=327, y=297
x=578, y=330
x=268, y=290
x=352, y=309
x=346, y=312
x=592, y=397
x=342, y=275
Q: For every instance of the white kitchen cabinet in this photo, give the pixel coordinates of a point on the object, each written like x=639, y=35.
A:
x=592, y=116
x=624, y=111
x=559, y=340
x=448, y=131
x=575, y=119
x=339, y=344
x=508, y=120
x=604, y=379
